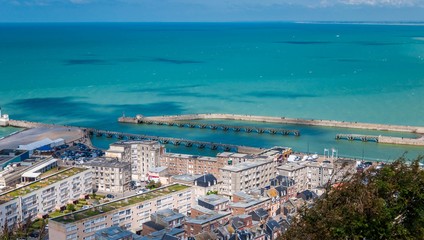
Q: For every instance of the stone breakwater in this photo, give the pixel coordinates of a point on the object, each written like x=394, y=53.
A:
x=284, y=120
x=298, y=121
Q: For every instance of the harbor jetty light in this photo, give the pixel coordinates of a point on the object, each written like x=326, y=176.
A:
x=4, y=119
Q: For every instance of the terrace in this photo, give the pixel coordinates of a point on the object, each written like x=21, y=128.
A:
x=120, y=203
x=44, y=182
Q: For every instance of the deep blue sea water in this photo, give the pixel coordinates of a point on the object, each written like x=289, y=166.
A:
x=88, y=74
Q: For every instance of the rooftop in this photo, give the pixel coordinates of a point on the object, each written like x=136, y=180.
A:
x=186, y=177
x=291, y=166
x=44, y=182
x=119, y=203
x=202, y=219
x=115, y=233
x=168, y=215
x=245, y=166
x=107, y=162
x=213, y=199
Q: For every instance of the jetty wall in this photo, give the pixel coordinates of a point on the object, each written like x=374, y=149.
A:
x=299, y=121
x=402, y=141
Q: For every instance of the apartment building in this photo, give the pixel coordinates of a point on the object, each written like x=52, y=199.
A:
x=189, y=164
x=45, y=195
x=120, y=151
x=110, y=175
x=129, y=212
x=143, y=155
x=246, y=176
x=245, y=203
x=310, y=175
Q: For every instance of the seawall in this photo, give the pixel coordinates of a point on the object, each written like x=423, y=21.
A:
x=284, y=120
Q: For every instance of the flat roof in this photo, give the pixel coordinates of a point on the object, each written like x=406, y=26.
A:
x=119, y=203
x=213, y=199
x=245, y=165
x=202, y=219
x=180, y=155
x=44, y=182
x=291, y=166
x=186, y=177
x=107, y=162
x=33, y=173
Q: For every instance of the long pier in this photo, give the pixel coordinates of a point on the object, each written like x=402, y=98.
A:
x=223, y=127
x=285, y=120
x=168, y=140
x=363, y=138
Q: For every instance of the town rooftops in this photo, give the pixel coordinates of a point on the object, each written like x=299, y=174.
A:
x=246, y=203
x=44, y=182
x=107, y=162
x=232, y=155
x=37, y=170
x=165, y=234
x=119, y=203
x=245, y=166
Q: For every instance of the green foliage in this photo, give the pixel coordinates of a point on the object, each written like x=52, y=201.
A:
x=377, y=204
x=211, y=192
x=70, y=207
x=152, y=184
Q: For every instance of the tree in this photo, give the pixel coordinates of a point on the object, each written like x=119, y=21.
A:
x=386, y=203
x=70, y=207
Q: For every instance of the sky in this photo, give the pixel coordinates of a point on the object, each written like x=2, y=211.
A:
x=209, y=10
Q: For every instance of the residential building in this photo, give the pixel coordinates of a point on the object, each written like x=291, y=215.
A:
x=129, y=212
x=246, y=176
x=158, y=174
x=202, y=184
x=168, y=218
x=189, y=164
x=120, y=151
x=145, y=155
x=244, y=203
x=45, y=195
x=205, y=223
x=110, y=175
x=296, y=171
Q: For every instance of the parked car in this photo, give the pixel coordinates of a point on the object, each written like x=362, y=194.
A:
x=110, y=196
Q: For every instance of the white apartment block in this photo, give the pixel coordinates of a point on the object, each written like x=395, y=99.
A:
x=143, y=155
x=130, y=212
x=310, y=175
x=110, y=175
x=246, y=176
x=45, y=195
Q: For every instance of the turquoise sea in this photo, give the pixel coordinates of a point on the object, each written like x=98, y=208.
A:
x=88, y=74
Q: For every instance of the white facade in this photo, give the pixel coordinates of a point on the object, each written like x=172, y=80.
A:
x=246, y=176
x=45, y=195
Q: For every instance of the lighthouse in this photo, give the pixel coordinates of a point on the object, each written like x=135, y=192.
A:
x=4, y=119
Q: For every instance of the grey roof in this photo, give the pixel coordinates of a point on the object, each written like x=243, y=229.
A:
x=202, y=219
x=164, y=234
x=245, y=166
x=154, y=225
x=114, y=233
x=186, y=177
x=213, y=199
x=168, y=215
x=206, y=180
x=107, y=162
x=261, y=213
x=272, y=225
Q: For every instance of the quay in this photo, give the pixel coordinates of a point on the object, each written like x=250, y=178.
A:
x=284, y=120
x=212, y=126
